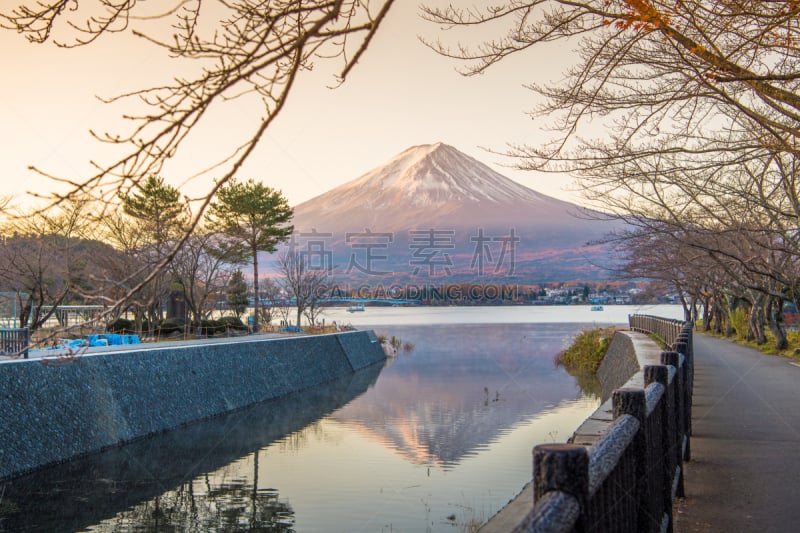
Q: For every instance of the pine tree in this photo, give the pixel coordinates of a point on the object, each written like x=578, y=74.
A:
x=237, y=293
x=256, y=217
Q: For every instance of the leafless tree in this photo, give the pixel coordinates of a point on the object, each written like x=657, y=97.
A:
x=241, y=52
x=244, y=50
x=313, y=309
x=281, y=310
x=689, y=77
x=47, y=257
x=680, y=117
x=303, y=283
x=125, y=287
x=685, y=100
x=202, y=268
x=272, y=303
x=723, y=268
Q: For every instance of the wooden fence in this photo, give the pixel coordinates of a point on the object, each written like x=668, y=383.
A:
x=627, y=479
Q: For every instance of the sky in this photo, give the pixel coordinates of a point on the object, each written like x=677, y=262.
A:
x=400, y=94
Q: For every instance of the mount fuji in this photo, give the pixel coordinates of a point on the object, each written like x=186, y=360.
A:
x=433, y=211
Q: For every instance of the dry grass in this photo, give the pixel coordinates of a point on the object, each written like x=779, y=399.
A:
x=587, y=350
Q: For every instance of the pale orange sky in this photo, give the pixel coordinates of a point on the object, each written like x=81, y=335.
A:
x=401, y=94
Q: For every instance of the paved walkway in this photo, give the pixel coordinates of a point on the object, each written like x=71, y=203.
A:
x=744, y=473
x=144, y=346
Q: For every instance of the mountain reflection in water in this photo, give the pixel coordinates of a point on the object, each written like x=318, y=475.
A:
x=460, y=389
x=440, y=439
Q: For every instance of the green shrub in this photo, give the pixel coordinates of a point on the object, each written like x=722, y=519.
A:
x=739, y=321
x=166, y=327
x=180, y=321
x=120, y=325
x=232, y=322
x=587, y=350
x=211, y=327
x=221, y=325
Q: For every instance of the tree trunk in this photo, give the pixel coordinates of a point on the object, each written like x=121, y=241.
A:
x=716, y=312
x=756, y=321
x=687, y=315
x=776, y=323
x=255, y=290
x=708, y=317
x=197, y=322
x=727, y=312
x=138, y=318
x=23, y=311
x=152, y=318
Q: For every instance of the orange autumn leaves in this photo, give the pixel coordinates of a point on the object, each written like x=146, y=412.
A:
x=639, y=15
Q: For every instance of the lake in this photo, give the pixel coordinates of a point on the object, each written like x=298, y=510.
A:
x=582, y=314
x=438, y=439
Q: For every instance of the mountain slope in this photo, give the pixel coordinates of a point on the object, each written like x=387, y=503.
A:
x=429, y=186
x=433, y=206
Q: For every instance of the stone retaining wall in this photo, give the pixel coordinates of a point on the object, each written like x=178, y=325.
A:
x=53, y=413
x=618, y=365
x=622, y=367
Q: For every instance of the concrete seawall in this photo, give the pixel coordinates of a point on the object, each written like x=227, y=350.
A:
x=622, y=366
x=618, y=365
x=53, y=413
x=125, y=477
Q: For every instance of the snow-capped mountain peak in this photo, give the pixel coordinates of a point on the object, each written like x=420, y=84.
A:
x=432, y=185
x=432, y=207
x=435, y=174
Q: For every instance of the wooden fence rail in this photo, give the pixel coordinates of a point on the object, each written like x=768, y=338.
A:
x=627, y=479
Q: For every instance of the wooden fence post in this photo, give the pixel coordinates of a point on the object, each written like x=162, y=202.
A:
x=629, y=401
x=565, y=468
x=660, y=374
x=673, y=359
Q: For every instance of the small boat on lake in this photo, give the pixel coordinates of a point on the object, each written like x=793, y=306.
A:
x=596, y=308
x=355, y=308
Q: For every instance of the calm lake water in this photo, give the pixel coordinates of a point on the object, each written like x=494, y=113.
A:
x=437, y=439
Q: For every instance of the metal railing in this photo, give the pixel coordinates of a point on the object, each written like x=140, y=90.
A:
x=627, y=479
x=14, y=342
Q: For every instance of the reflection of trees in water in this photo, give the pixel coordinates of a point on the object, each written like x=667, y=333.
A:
x=111, y=490
x=226, y=500
x=586, y=380
x=298, y=440
x=211, y=502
